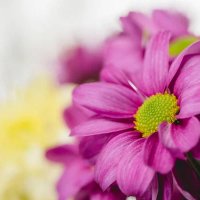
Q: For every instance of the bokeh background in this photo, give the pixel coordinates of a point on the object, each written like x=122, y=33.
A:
x=32, y=36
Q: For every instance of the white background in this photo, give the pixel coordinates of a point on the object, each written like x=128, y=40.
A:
x=33, y=32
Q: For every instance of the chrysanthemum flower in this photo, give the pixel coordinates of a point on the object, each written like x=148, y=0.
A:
x=153, y=121
x=175, y=22
x=77, y=181
x=79, y=64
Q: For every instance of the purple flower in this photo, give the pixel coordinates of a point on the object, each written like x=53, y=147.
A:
x=174, y=22
x=79, y=64
x=150, y=116
x=77, y=179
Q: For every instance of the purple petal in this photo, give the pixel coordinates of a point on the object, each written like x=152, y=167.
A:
x=110, y=156
x=133, y=176
x=74, y=115
x=165, y=135
x=91, y=146
x=64, y=154
x=100, y=126
x=186, y=180
x=131, y=28
x=175, y=66
x=114, y=75
x=187, y=134
x=187, y=88
x=79, y=65
x=122, y=52
x=144, y=22
x=156, y=63
x=110, y=100
x=171, y=21
x=156, y=155
x=73, y=179
x=167, y=140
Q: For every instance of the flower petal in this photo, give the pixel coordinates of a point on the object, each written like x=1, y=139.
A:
x=133, y=176
x=110, y=100
x=109, y=158
x=99, y=126
x=157, y=156
x=156, y=63
x=186, y=180
x=114, y=75
x=131, y=28
x=90, y=147
x=193, y=49
x=165, y=135
x=75, y=176
x=187, y=134
x=63, y=153
x=144, y=22
x=74, y=115
x=187, y=87
x=171, y=21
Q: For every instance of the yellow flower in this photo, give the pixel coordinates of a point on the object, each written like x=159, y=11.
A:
x=30, y=122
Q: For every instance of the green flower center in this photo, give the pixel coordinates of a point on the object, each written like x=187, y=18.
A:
x=156, y=109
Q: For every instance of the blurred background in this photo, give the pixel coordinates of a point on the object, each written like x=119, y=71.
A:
x=32, y=36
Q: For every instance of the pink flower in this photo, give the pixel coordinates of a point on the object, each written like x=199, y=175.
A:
x=77, y=179
x=174, y=22
x=79, y=64
x=150, y=116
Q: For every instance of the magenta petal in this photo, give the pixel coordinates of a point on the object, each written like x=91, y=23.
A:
x=63, y=154
x=110, y=100
x=110, y=156
x=79, y=64
x=74, y=115
x=131, y=28
x=191, y=50
x=144, y=22
x=75, y=176
x=165, y=135
x=156, y=63
x=157, y=156
x=187, y=87
x=91, y=146
x=187, y=134
x=114, y=75
x=124, y=53
x=173, y=22
x=99, y=126
x=133, y=176
x=190, y=102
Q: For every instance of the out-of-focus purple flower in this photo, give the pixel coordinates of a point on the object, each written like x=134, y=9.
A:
x=160, y=20
x=125, y=52
x=79, y=64
x=77, y=181
x=152, y=116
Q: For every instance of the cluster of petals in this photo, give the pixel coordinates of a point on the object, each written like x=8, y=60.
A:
x=77, y=180
x=134, y=68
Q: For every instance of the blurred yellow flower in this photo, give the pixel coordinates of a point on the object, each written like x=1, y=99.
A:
x=30, y=122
